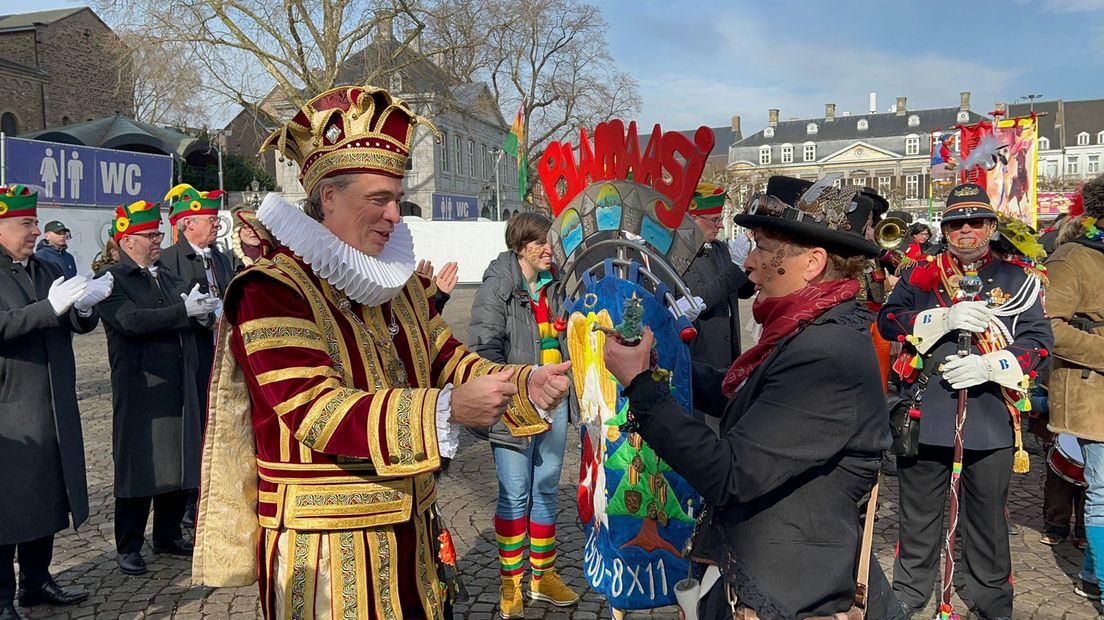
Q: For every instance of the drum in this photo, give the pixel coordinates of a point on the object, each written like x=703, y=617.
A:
x=1067, y=460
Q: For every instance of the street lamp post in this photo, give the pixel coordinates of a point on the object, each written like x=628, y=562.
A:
x=221, y=133
x=1031, y=100
x=497, y=153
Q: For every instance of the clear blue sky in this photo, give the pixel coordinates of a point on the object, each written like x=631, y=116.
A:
x=700, y=62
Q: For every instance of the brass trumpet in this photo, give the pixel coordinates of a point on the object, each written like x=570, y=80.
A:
x=891, y=233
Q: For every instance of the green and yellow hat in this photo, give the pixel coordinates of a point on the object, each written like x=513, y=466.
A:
x=18, y=201
x=136, y=217
x=708, y=199
x=185, y=200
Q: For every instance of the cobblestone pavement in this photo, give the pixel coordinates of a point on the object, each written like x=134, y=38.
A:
x=1044, y=576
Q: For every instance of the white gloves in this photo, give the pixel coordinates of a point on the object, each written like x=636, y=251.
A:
x=1001, y=367
x=199, y=304
x=691, y=310
x=972, y=316
x=64, y=293
x=97, y=290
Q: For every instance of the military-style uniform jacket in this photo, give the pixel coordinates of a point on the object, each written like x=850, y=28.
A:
x=322, y=432
x=988, y=420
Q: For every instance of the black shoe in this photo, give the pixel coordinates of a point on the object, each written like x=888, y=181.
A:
x=51, y=593
x=889, y=465
x=176, y=547
x=1014, y=529
x=8, y=612
x=907, y=611
x=1088, y=590
x=132, y=563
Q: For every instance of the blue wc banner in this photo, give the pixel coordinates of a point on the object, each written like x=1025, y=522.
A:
x=66, y=174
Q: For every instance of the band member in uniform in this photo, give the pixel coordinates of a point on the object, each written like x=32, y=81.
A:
x=338, y=385
x=1009, y=338
x=783, y=481
x=41, y=447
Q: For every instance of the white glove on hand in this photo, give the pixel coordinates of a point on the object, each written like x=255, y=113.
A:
x=972, y=316
x=965, y=372
x=691, y=311
x=64, y=293
x=97, y=290
x=198, y=304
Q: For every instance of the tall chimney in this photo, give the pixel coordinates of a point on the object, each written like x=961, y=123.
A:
x=964, y=101
x=873, y=102
x=736, y=128
x=901, y=101
x=829, y=112
x=773, y=116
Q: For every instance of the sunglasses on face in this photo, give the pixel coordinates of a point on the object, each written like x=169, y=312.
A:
x=975, y=223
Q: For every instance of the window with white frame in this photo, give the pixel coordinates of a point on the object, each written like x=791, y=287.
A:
x=912, y=145
x=764, y=155
x=1092, y=166
x=787, y=153
x=484, y=167
x=837, y=183
x=471, y=158
x=456, y=142
x=810, y=151
x=884, y=185
x=1044, y=144
x=859, y=181
x=912, y=186
x=444, y=152
x=1100, y=138
x=811, y=129
x=1083, y=138
x=1072, y=163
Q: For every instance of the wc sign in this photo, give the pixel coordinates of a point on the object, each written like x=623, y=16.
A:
x=80, y=175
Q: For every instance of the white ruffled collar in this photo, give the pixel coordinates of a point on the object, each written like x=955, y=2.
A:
x=367, y=280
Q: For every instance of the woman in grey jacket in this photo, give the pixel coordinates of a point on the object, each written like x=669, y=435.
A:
x=511, y=322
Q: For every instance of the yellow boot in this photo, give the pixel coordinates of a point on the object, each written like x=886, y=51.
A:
x=551, y=589
x=511, y=602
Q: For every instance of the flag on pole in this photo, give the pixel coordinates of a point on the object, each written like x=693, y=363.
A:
x=515, y=145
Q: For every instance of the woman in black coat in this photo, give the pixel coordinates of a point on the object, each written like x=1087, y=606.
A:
x=803, y=428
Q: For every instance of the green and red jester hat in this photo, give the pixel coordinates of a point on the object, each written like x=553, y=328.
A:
x=136, y=217
x=185, y=200
x=18, y=201
x=708, y=199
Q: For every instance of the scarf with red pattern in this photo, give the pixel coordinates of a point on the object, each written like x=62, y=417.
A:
x=780, y=316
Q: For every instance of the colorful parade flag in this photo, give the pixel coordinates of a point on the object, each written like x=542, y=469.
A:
x=515, y=145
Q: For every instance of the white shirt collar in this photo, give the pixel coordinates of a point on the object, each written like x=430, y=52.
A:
x=24, y=262
x=368, y=280
x=201, y=251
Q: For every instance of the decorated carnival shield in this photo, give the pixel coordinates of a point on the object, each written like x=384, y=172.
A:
x=624, y=246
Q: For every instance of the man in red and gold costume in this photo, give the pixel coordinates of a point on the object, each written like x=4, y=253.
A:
x=337, y=389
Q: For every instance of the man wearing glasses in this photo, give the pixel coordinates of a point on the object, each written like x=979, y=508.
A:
x=54, y=248
x=149, y=319
x=1009, y=337
x=718, y=281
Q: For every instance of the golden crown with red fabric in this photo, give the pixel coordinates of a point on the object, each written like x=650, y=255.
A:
x=348, y=129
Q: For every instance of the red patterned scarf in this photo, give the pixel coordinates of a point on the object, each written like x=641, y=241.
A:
x=780, y=316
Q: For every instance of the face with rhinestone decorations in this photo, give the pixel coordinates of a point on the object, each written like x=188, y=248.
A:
x=364, y=212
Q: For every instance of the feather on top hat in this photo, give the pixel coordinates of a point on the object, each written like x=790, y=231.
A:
x=346, y=130
x=816, y=214
x=18, y=201
x=185, y=200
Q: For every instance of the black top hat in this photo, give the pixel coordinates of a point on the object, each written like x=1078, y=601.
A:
x=967, y=202
x=833, y=220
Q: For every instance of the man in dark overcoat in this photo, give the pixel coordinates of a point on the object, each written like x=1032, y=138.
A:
x=149, y=319
x=1009, y=338
x=41, y=447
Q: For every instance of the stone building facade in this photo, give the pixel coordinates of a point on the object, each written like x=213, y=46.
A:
x=66, y=68
x=887, y=151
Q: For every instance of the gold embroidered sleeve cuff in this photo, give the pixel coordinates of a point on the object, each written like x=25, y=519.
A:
x=522, y=418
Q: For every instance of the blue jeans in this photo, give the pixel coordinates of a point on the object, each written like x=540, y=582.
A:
x=531, y=476
x=1094, y=502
